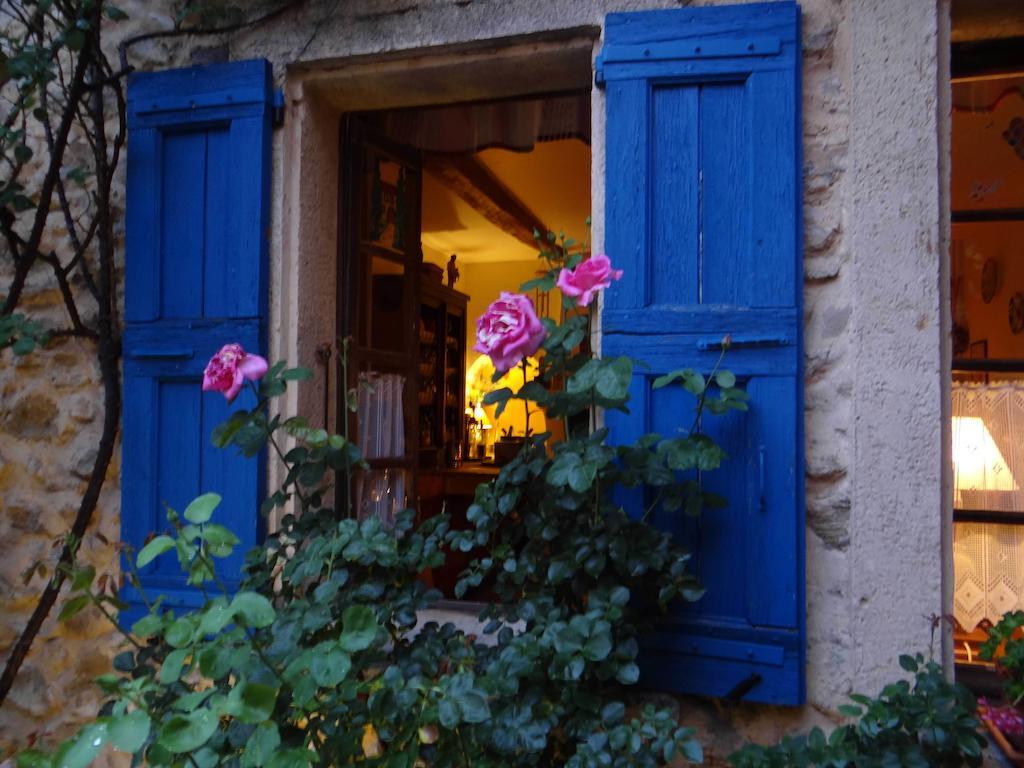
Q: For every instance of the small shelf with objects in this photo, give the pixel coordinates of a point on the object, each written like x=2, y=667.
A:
x=441, y=339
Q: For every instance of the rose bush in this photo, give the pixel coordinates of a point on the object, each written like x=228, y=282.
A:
x=320, y=658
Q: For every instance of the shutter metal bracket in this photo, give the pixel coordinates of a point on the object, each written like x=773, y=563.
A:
x=735, y=341
x=742, y=688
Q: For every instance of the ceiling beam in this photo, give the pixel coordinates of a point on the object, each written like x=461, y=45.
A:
x=470, y=179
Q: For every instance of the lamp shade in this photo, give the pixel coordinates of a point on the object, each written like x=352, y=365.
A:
x=978, y=464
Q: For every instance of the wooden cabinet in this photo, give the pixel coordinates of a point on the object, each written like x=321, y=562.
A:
x=442, y=374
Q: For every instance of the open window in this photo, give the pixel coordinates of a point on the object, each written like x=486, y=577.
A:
x=439, y=208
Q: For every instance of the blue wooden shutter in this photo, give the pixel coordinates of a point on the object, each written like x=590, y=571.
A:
x=196, y=278
x=703, y=213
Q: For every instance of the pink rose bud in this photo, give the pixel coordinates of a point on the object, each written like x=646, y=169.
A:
x=509, y=331
x=590, y=276
x=229, y=369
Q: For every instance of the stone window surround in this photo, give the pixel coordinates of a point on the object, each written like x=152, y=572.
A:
x=306, y=173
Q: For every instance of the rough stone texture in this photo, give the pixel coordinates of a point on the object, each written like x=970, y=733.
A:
x=873, y=325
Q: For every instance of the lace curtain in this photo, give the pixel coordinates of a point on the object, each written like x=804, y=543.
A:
x=380, y=415
x=988, y=467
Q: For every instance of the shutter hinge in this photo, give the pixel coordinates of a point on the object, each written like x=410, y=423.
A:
x=277, y=109
x=742, y=688
x=599, y=70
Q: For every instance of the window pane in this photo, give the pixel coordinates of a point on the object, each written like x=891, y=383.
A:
x=387, y=305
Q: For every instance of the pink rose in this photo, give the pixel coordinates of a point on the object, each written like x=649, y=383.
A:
x=509, y=330
x=228, y=370
x=590, y=276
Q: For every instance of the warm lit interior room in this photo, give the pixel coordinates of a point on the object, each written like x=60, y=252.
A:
x=987, y=296
x=441, y=207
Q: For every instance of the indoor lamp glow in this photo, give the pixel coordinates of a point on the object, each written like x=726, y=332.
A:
x=978, y=464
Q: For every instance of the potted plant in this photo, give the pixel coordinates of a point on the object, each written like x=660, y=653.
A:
x=508, y=446
x=1005, y=721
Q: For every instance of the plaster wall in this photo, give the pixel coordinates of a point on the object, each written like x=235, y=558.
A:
x=874, y=328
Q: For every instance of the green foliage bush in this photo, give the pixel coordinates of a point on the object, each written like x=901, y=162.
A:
x=1010, y=664
x=923, y=723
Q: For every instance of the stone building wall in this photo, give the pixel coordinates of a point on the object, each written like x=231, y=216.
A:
x=872, y=322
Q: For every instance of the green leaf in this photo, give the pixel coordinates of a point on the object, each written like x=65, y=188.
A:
x=83, y=578
x=692, y=381
x=215, y=616
x=153, y=549
x=84, y=748
x=219, y=540
x=581, y=477
x=614, y=378
x=73, y=607
x=170, y=671
x=200, y=510
x=628, y=674
x=225, y=432
x=252, y=703
x=692, y=751
x=180, y=633
x=291, y=758
x=545, y=283
x=261, y=746
x=33, y=758
x=613, y=713
x=255, y=610
x=908, y=663
x=147, y=626
x=330, y=667
x=359, y=628
x=129, y=732
x=114, y=13
x=725, y=379
x=23, y=346
x=597, y=647
x=474, y=707
x=184, y=733
x=584, y=379
x=297, y=374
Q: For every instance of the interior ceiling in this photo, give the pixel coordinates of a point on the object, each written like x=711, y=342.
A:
x=986, y=19
x=552, y=181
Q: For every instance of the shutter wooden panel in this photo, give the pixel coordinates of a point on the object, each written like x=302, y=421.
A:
x=703, y=214
x=196, y=279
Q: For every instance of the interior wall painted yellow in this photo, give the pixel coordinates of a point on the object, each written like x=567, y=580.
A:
x=552, y=181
